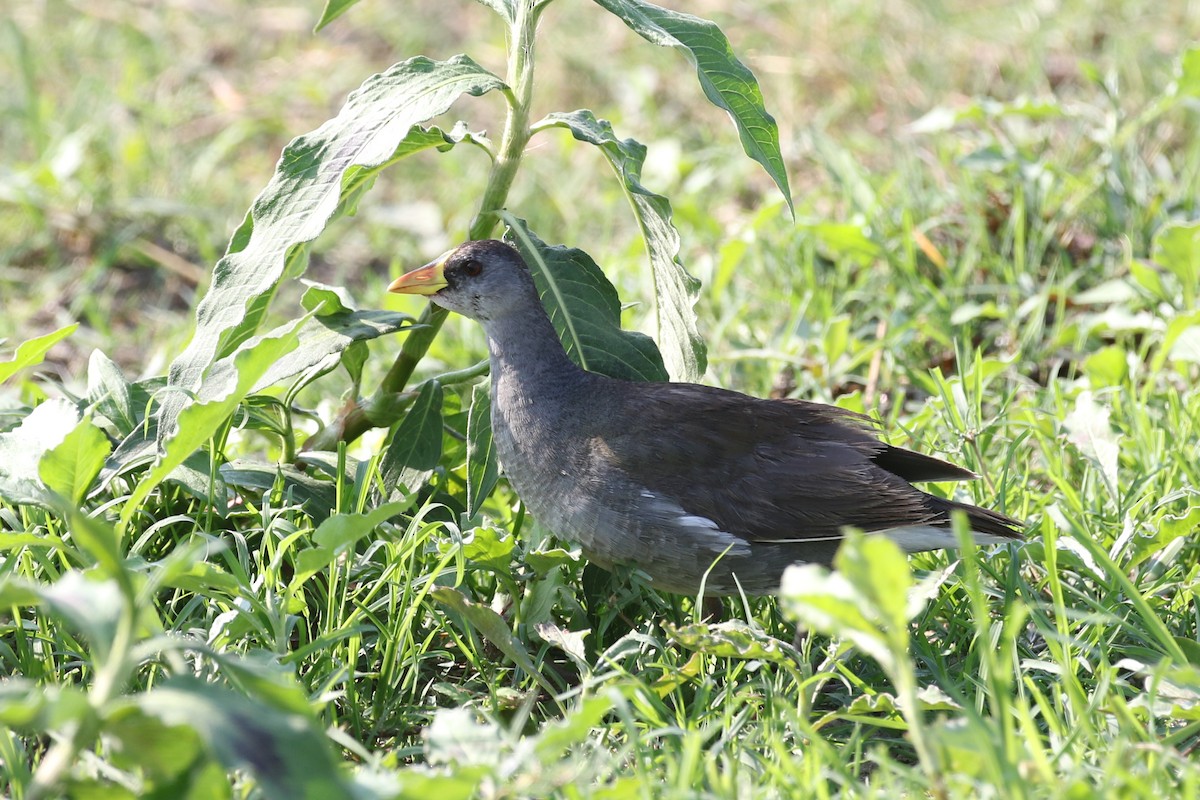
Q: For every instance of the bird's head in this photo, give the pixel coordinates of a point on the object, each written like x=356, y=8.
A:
x=481, y=280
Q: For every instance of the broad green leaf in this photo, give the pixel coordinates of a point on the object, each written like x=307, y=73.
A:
x=22, y=448
x=882, y=703
x=206, y=779
x=829, y=603
x=675, y=290
x=354, y=358
x=482, y=468
x=489, y=546
x=32, y=351
x=110, y=393
x=726, y=81
x=1170, y=528
x=1171, y=691
x=877, y=568
x=1108, y=366
x=91, y=607
x=333, y=9
x=1146, y=275
x=26, y=706
x=968, y=312
x=868, y=600
x=1177, y=247
x=322, y=299
x=1114, y=292
x=885, y=711
x=186, y=568
x=228, y=371
x=675, y=677
x=260, y=674
x=557, y=739
x=542, y=561
x=16, y=591
x=1190, y=648
x=70, y=467
x=1177, y=329
x=335, y=535
x=315, y=495
x=358, y=180
x=585, y=309
x=505, y=8
x=139, y=450
x=932, y=698
x=1188, y=83
x=323, y=337
x=967, y=749
x=197, y=477
x=319, y=176
x=493, y=628
x=837, y=339
x=160, y=752
x=730, y=639
x=288, y=754
x=326, y=461
x=230, y=381
x=1088, y=428
x=416, y=444
x=99, y=539
x=570, y=642
x=458, y=737
x=266, y=413
x=543, y=597
x=1186, y=346
x=418, y=783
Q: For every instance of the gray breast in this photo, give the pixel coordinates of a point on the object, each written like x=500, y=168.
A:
x=574, y=492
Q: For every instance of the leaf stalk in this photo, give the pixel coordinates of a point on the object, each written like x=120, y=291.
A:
x=360, y=417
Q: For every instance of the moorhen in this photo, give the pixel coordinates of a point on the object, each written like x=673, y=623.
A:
x=676, y=479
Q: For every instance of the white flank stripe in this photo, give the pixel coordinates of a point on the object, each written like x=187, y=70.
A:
x=913, y=539
x=926, y=537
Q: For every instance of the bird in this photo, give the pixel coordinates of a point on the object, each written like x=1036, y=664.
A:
x=704, y=490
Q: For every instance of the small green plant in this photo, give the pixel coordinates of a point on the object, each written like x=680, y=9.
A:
x=325, y=174
x=194, y=601
x=153, y=452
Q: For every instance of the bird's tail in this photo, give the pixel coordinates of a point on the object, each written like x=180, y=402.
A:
x=989, y=527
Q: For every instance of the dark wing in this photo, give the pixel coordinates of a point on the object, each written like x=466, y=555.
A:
x=771, y=470
x=917, y=467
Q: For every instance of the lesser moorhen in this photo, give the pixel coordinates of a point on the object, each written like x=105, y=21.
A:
x=672, y=477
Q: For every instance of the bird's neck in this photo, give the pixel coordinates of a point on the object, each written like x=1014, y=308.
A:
x=525, y=349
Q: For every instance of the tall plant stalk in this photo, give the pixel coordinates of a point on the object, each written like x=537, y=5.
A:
x=380, y=408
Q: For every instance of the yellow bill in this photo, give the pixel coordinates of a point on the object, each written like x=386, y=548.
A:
x=425, y=280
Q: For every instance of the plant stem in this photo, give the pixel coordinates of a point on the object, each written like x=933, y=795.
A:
x=360, y=417
x=516, y=123
x=905, y=681
x=110, y=679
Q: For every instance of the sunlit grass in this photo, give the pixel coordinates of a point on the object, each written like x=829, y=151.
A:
x=988, y=287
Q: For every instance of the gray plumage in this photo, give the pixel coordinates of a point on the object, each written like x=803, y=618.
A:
x=672, y=477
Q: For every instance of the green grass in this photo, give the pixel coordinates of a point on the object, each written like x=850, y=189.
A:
x=1003, y=290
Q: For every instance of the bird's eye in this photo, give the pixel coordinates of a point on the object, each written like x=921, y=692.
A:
x=472, y=267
